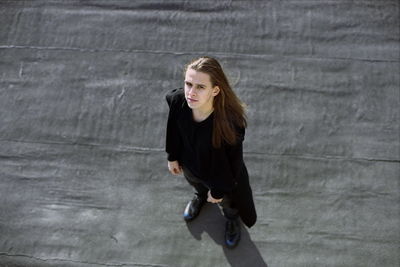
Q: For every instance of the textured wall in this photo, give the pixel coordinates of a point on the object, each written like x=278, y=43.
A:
x=83, y=178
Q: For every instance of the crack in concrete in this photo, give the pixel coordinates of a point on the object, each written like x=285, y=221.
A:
x=83, y=262
x=114, y=238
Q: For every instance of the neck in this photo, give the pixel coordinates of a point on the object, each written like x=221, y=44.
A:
x=200, y=115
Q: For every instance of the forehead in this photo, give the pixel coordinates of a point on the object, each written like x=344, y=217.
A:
x=197, y=77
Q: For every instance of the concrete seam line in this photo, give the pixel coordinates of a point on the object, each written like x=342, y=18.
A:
x=83, y=262
x=149, y=149
x=182, y=53
x=327, y=157
x=113, y=147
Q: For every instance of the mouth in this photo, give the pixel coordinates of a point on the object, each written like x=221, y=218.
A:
x=191, y=100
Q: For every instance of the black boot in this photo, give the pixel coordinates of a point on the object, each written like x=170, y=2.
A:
x=193, y=208
x=232, y=233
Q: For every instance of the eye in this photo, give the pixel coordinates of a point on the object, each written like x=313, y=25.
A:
x=188, y=84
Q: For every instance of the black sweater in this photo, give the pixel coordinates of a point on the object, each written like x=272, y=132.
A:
x=189, y=142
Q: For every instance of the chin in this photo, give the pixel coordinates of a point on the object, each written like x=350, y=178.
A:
x=191, y=105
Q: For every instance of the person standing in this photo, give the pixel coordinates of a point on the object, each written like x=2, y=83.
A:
x=204, y=141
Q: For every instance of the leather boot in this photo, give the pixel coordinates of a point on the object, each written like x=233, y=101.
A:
x=193, y=208
x=232, y=233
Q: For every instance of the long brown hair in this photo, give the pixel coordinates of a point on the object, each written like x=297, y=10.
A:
x=229, y=111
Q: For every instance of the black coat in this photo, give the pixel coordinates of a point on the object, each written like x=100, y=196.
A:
x=222, y=169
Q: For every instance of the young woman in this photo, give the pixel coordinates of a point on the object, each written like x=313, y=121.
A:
x=205, y=132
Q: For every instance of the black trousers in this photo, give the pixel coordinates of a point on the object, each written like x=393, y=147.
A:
x=227, y=205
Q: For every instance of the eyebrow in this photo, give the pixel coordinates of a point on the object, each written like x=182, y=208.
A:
x=200, y=84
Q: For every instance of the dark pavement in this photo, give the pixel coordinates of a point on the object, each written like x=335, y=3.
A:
x=83, y=173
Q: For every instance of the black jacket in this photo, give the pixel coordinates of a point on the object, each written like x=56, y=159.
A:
x=222, y=169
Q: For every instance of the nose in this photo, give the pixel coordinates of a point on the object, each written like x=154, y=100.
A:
x=192, y=91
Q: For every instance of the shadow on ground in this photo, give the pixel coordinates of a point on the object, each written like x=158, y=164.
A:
x=212, y=222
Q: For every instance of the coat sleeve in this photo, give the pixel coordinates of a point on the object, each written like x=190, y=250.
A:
x=173, y=140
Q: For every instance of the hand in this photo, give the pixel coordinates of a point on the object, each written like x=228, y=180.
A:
x=211, y=199
x=174, y=167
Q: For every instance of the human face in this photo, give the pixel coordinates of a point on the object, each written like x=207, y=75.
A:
x=199, y=92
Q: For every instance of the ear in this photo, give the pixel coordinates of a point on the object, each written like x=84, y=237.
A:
x=215, y=90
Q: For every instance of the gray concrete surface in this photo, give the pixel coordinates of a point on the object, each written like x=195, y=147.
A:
x=83, y=177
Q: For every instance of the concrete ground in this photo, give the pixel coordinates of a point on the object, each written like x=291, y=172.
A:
x=83, y=176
